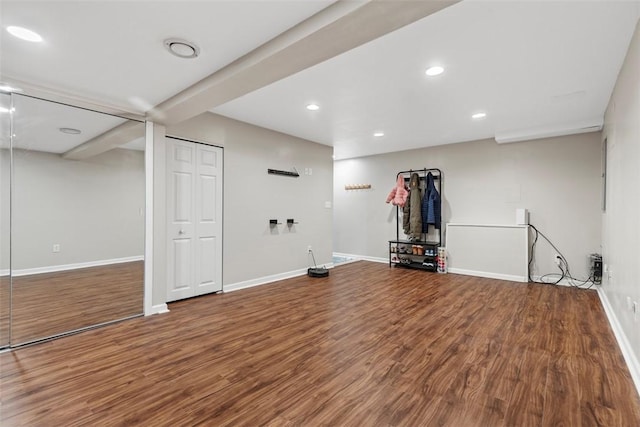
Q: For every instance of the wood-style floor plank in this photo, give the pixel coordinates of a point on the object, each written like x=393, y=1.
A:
x=368, y=346
x=48, y=304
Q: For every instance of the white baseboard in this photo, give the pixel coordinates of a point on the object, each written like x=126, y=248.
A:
x=361, y=258
x=267, y=279
x=352, y=258
x=623, y=342
x=158, y=309
x=489, y=275
x=76, y=266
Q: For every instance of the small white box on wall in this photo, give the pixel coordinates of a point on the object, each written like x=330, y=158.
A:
x=522, y=217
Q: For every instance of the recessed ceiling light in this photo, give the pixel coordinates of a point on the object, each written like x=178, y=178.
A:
x=24, y=34
x=434, y=71
x=4, y=110
x=478, y=116
x=182, y=48
x=313, y=107
x=378, y=134
x=70, y=131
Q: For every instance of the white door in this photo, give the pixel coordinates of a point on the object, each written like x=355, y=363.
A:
x=194, y=231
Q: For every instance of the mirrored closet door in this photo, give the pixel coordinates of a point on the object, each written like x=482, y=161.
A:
x=77, y=219
x=5, y=186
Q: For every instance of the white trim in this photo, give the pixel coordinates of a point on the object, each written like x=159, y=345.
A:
x=75, y=266
x=5, y=272
x=489, y=275
x=361, y=258
x=625, y=347
x=268, y=279
x=349, y=261
x=149, y=308
x=75, y=100
x=158, y=309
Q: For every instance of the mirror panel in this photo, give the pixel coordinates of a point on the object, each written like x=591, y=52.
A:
x=77, y=228
x=5, y=186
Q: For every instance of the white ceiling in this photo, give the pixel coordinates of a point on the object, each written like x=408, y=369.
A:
x=37, y=124
x=113, y=52
x=535, y=67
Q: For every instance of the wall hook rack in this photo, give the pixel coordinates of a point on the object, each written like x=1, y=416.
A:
x=357, y=187
x=291, y=221
x=274, y=222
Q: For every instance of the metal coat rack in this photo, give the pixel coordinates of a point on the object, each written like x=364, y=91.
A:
x=439, y=178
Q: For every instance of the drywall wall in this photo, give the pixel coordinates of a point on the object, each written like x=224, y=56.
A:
x=557, y=179
x=252, y=249
x=621, y=221
x=93, y=209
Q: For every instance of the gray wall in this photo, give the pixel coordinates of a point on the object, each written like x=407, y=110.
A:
x=621, y=222
x=91, y=208
x=557, y=179
x=252, y=249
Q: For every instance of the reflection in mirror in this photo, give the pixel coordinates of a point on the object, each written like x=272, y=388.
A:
x=77, y=225
x=5, y=134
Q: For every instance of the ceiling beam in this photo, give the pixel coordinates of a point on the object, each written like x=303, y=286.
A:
x=113, y=138
x=340, y=27
x=48, y=94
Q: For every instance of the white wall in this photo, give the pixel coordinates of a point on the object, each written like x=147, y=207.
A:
x=557, y=179
x=621, y=222
x=94, y=209
x=251, y=248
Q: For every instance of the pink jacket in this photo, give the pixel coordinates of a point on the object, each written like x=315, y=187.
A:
x=398, y=196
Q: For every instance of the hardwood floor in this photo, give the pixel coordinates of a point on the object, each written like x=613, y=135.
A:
x=52, y=303
x=368, y=346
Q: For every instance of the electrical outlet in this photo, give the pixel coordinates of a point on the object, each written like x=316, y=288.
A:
x=629, y=304
x=636, y=312
x=557, y=259
x=309, y=249
x=56, y=248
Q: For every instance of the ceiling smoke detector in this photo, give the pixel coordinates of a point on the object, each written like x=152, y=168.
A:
x=182, y=48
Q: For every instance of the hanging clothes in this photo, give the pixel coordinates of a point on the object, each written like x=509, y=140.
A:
x=398, y=196
x=415, y=206
x=430, y=205
x=406, y=213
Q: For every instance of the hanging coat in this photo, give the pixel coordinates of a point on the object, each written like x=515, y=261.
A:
x=415, y=206
x=431, y=205
x=398, y=196
x=406, y=213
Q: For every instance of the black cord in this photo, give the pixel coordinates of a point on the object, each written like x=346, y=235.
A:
x=563, y=265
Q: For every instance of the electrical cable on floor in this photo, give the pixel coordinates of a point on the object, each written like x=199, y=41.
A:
x=563, y=265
